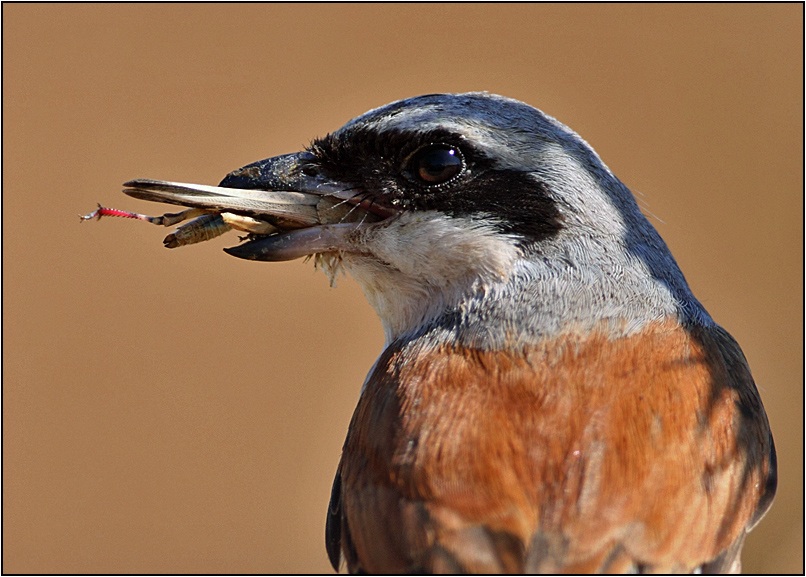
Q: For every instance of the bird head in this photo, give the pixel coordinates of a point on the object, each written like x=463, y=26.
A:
x=450, y=208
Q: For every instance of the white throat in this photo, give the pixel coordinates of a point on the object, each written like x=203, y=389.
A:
x=416, y=266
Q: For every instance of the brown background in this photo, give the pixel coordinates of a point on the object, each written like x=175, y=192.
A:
x=183, y=411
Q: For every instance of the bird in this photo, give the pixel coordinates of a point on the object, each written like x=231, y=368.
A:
x=550, y=397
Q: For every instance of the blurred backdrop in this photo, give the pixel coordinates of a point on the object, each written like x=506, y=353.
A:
x=183, y=411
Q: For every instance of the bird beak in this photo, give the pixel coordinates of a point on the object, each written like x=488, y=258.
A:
x=305, y=212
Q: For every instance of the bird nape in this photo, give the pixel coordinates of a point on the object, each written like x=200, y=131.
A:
x=551, y=397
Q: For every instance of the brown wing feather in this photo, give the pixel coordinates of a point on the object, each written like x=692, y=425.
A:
x=643, y=454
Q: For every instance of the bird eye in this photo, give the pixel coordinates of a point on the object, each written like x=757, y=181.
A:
x=435, y=164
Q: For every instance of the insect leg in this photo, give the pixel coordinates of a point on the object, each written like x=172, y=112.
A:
x=164, y=220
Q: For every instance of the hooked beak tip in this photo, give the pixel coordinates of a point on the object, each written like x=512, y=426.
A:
x=242, y=252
